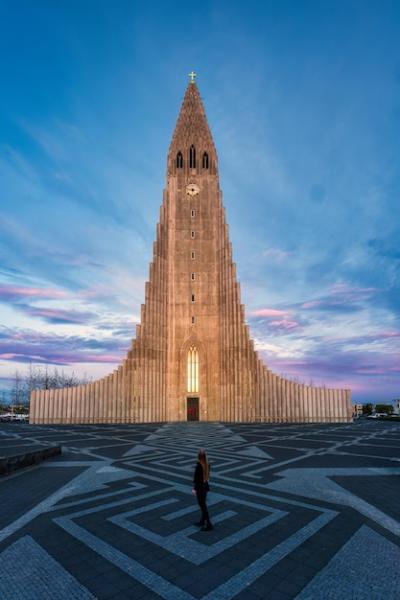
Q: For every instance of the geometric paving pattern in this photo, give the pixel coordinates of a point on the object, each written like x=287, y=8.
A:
x=299, y=511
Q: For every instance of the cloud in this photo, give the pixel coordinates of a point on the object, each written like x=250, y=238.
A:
x=370, y=373
x=275, y=320
x=121, y=327
x=18, y=296
x=57, y=315
x=341, y=297
x=26, y=346
x=268, y=312
x=61, y=359
x=12, y=293
x=285, y=325
x=332, y=351
x=369, y=338
x=276, y=254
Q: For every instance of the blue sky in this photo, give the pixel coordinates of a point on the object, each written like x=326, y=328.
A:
x=303, y=99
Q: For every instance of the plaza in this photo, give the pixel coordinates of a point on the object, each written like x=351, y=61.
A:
x=305, y=511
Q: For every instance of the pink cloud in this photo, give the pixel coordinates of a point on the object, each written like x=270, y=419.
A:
x=287, y=324
x=341, y=294
x=32, y=346
x=377, y=370
x=269, y=312
x=311, y=304
x=62, y=358
x=387, y=334
x=12, y=292
x=344, y=288
x=278, y=321
x=370, y=338
x=56, y=315
x=24, y=298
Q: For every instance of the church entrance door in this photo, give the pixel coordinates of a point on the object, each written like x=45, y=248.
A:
x=193, y=409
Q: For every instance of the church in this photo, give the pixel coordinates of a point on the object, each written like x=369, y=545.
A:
x=192, y=357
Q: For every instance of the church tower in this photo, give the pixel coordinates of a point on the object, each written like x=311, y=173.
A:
x=192, y=357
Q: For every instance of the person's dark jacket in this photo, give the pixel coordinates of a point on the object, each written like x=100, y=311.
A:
x=198, y=483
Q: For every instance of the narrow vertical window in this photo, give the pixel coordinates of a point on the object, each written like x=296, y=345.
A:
x=205, y=160
x=192, y=157
x=179, y=160
x=192, y=235
x=192, y=297
x=193, y=255
x=192, y=320
x=193, y=276
x=193, y=213
x=193, y=384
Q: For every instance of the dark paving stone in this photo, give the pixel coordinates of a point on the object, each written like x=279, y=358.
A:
x=375, y=450
x=299, y=442
x=281, y=453
x=23, y=490
x=338, y=460
x=383, y=492
x=250, y=595
x=289, y=586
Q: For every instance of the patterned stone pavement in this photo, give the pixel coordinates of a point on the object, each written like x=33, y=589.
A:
x=300, y=511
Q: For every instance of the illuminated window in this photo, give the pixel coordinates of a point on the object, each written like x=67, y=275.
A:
x=193, y=370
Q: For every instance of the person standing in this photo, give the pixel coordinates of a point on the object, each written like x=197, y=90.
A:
x=201, y=487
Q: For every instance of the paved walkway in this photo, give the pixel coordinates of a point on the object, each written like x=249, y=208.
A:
x=300, y=511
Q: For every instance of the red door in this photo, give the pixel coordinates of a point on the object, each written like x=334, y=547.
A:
x=192, y=409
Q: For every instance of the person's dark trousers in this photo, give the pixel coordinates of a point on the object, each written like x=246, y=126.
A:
x=201, y=499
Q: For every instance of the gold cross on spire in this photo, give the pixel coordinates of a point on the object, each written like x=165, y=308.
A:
x=192, y=76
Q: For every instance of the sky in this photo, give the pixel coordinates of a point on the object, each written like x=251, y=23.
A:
x=303, y=100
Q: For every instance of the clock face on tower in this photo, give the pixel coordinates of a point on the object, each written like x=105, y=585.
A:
x=192, y=189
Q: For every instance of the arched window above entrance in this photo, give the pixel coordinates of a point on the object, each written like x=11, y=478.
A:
x=193, y=371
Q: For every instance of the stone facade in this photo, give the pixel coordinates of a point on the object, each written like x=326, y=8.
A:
x=192, y=356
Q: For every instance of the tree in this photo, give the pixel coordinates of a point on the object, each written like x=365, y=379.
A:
x=39, y=377
x=367, y=408
x=384, y=408
x=18, y=395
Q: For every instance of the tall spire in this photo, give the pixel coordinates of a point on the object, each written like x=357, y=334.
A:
x=191, y=128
